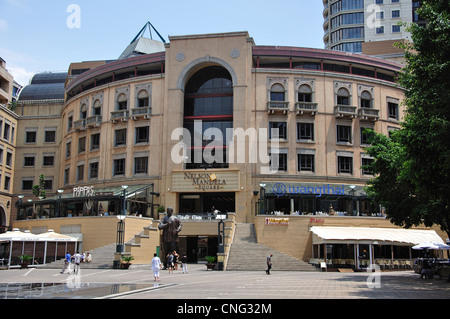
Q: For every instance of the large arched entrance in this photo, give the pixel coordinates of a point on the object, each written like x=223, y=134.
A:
x=208, y=116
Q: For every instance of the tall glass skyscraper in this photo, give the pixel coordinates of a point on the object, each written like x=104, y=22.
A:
x=367, y=26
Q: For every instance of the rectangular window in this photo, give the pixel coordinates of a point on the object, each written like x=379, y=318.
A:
x=50, y=137
x=80, y=173
x=48, y=184
x=142, y=134
x=119, y=167
x=7, y=183
x=379, y=1
x=6, y=132
x=28, y=161
x=81, y=145
x=345, y=165
x=27, y=185
x=30, y=137
x=365, y=163
x=69, y=123
x=66, y=176
x=141, y=165
x=395, y=28
x=305, y=131
x=278, y=162
x=305, y=163
x=380, y=30
x=278, y=130
x=344, y=134
x=68, y=149
x=396, y=13
x=95, y=142
x=93, y=170
x=120, y=137
x=393, y=110
x=8, y=158
x=48, y=160
x=364, y=137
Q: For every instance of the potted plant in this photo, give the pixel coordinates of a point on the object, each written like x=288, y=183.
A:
x=210, y=262
x=25, y=260
x=126, y=261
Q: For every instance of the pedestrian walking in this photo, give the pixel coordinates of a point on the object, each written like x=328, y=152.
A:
x=175, y=260
x=184, y=263
x=156, y=266
x=66, y=263
x=170, y=262
x=77, y=261
x=269, y=264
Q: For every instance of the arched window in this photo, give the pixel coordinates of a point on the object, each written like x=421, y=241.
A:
x=366, y=99
x=97, y=108
x=304, y=93
x=277, y=92
x=122, y=102
x=143, y=99
x=343, y=97
x=83, y=111
x=208, y=113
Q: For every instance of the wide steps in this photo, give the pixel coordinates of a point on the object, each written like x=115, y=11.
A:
x=247, y=254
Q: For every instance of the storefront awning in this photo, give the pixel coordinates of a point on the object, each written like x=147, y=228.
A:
x=369, y=235
x=113, y=191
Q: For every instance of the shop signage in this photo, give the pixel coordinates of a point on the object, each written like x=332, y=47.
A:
x=281, y=189
x=83, y=191
x=277, y=221
x=314, y=220
x=205, y=181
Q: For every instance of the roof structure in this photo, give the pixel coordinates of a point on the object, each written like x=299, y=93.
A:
x=44, y=86
x=142, y=45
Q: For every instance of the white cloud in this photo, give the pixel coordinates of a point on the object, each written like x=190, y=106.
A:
x=20, y=75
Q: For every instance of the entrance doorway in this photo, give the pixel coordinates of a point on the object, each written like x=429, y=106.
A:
x=197, y=248
x=201, y=204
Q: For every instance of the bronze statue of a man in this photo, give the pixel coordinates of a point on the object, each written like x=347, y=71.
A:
x=170, y=226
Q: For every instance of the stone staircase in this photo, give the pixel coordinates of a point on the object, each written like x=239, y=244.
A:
x=247, y=254
x=102, y=258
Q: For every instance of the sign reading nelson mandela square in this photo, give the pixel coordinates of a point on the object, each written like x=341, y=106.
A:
x=243, y=146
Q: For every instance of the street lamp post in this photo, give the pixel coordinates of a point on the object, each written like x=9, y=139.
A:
x=262, y=195
x=58, y=212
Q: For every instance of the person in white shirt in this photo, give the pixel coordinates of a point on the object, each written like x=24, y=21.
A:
x=77, y=261
x=156, y=266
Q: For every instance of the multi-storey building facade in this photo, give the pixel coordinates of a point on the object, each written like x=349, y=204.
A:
x=213, y=126
x=368, y=26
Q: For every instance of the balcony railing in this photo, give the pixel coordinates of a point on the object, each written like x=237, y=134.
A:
x=79, y=125
x=345, y=111
x=278, y=107
x=121, y=115
x=94, y=121
x=141, y=112
x=369, y=114
x=306, y=107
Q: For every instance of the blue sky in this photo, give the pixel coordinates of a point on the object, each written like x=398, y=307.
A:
x=35, y=37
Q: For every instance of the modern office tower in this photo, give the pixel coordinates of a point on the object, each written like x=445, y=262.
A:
x=368, y=26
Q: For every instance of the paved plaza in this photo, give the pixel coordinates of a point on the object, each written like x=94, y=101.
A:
x=202, y=284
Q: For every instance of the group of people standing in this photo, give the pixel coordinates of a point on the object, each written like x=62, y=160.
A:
x=171, y=263
x=75, y=260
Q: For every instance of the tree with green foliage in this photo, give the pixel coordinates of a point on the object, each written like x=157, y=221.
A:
x=413, y=166
x=39, y=190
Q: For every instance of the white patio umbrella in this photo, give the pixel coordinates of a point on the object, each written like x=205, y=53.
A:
x=431, y=245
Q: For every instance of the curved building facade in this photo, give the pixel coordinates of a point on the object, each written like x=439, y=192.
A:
x=218, y=127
